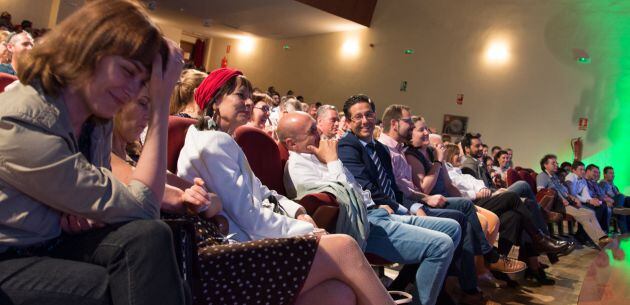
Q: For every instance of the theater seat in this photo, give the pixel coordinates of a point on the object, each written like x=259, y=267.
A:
x=177, y=128
x=512, y=176
x=6, y=79
x=527, y=177
x=568, y=218
x=267, y=159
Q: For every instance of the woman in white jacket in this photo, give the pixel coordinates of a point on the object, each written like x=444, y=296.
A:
x=290, y=260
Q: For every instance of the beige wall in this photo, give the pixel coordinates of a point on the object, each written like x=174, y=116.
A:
x=37, y=11
x=529, y=104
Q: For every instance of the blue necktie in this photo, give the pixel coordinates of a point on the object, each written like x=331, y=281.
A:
x=383, y=180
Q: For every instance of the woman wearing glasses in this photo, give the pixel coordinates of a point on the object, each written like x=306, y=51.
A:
x=260, y=111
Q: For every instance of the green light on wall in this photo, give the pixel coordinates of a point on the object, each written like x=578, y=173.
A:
x=409, y=51
x=286, y=47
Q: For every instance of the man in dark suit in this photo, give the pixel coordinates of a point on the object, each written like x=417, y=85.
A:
x=370, y=163
x=391, y=225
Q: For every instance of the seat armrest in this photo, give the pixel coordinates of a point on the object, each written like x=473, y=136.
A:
x=324, y=209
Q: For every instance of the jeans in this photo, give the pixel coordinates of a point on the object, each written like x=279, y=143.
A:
x=474, y=240
x=602, y=213
x=622, y=221
x=522, y=189
x=131, y=263
x=411, y=239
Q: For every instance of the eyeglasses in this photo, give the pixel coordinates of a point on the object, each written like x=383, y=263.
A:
x=263, y=108
x=370, y=116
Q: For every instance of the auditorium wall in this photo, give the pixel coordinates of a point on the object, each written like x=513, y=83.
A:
x=529, y=95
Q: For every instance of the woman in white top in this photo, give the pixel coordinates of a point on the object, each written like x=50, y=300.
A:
x=339, y=273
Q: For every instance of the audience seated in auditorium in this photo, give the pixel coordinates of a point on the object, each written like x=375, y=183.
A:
x=500, y=167
x=328, y=121
x=430, y=176
x=260, y=112
x=510, y=162
x=494, y=151
x=17, y=45
x=183, y=99
x=547, y=179
x=369, y=161
x=485, y=151
x=577, y=184
x=5, y=57
x=336, y=262
x=59, y=163
x=314, y=166
x=592, y=176
x=622, y=203
x=523, y=216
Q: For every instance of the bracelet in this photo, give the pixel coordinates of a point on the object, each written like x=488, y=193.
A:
x=437, y=162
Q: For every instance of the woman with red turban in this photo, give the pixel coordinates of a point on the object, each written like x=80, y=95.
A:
x=280, y=259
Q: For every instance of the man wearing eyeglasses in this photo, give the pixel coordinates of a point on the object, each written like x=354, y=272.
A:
x=397, y=236
x=17, y=45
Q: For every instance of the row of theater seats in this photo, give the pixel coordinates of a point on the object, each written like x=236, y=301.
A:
x=529, y=176
x=266, y=158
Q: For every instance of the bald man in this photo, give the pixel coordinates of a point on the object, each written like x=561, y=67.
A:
x=427, y=241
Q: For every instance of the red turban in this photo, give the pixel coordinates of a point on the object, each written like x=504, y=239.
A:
x=209, y=87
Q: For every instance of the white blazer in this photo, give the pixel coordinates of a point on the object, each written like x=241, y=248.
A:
x=216, y=158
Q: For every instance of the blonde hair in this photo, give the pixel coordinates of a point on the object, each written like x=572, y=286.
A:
x=4, y=57
x=451, y=150
x=257, y=97
x=100, y=28
x=184, y=89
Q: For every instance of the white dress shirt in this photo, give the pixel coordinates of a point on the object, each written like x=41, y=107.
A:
x=216, y=158
x=468, y=185
x=304, y=169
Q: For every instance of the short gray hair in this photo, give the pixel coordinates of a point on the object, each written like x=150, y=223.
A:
x=291, y=105
x=323, y=110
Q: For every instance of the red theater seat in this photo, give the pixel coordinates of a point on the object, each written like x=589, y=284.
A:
x=527, y=177
x=267, y=159
x=512, y=176
x=177, y=128
x=6, y=79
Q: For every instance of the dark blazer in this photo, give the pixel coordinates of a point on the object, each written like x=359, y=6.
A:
x=474, y=168
x=356, y=159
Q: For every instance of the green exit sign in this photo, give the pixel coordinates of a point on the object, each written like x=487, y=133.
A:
x=584, y=60
x=409, y=51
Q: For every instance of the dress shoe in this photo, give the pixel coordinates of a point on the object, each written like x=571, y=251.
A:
x=570, y=247
x=545, y=244
x=553, y=258
x=507, y=265
x=539, y=276
x=621, y=211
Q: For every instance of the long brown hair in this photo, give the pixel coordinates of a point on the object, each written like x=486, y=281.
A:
x=184, y=90
x=68, y=54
